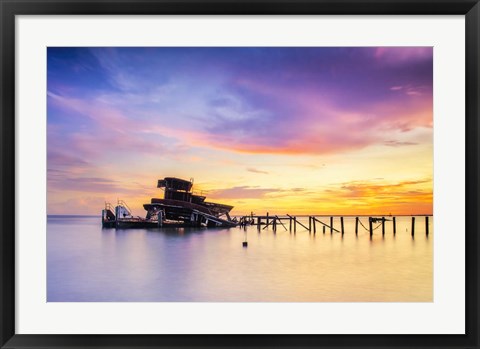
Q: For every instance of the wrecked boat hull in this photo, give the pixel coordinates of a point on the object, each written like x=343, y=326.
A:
x=180, y=207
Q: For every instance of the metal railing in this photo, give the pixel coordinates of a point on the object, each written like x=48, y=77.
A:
x=124, y=205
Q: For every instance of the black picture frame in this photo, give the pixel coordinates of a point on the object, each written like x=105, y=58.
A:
x=10, y=8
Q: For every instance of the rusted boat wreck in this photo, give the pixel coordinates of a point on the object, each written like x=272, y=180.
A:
x=178, y=207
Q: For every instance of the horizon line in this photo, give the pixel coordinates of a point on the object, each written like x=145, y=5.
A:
x=273, y=215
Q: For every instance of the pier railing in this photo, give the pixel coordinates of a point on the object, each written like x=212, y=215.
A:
x=124, y=205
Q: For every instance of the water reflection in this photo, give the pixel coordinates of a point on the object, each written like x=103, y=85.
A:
x=88, y=263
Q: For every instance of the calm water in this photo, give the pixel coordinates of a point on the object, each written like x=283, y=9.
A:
x=88, y=263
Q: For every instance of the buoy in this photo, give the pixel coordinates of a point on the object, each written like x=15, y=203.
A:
x=244, y=244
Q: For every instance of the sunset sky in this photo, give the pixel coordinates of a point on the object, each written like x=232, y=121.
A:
x=296, y=130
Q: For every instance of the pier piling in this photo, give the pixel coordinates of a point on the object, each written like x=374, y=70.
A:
x=413, y=226
x=160, y=219
x=263, y=222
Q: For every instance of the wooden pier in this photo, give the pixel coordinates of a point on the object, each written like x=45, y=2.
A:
x=263, y=222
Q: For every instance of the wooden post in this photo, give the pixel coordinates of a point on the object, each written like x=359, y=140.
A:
x=268, y=220
x=309, y=224
x=356, y=225
x=290, y=228
x=383, y=226
x=413, y=226
x=324, y=229
x=274, y=225
x=160, y=219
x=314, y=226
x=331, y=225
x=192, y=219
x=341, y=222
x=394, y=226
x=426, y=225
x=104, y=214
x=295, y=224
x=259, y=223
x=117, y=216
x=370, y=226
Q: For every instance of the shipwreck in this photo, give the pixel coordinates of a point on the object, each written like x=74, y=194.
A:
x=179, y=207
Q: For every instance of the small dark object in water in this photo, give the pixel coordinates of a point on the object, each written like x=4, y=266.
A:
x=245, y=244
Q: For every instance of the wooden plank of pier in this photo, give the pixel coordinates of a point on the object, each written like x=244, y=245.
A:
x=296, y=221
x=325, y=225
x=276, y=217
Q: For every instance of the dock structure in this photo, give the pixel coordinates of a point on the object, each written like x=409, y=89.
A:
x=268, y=220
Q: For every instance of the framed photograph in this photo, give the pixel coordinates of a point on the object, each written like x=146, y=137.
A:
x=232, y=174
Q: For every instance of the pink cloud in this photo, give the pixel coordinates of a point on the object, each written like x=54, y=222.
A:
x=393, y=143
x=112, y=132
x=254, y=170
x=411, y=90
x=322, y=129
x=314, y=123
x=402, y=55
